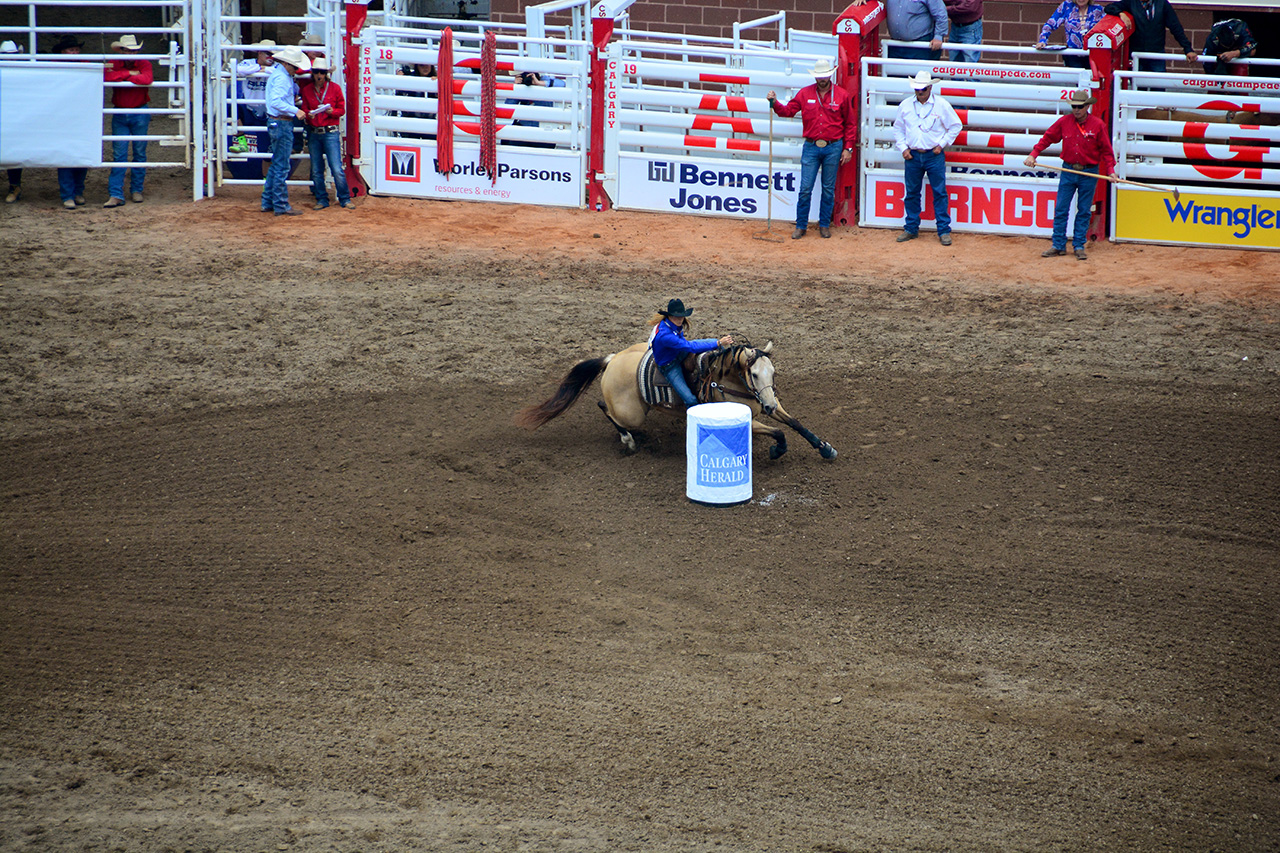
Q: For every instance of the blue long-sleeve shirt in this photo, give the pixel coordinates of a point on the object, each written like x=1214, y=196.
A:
x=281, y=90
x=669, y=343
x=917, y=20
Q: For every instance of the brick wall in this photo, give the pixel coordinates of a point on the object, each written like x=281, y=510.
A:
x=1003, y=22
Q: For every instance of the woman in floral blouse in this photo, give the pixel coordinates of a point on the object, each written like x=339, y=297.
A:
x=1076, y=17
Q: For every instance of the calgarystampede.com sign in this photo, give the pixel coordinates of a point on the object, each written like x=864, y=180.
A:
x=545, y=178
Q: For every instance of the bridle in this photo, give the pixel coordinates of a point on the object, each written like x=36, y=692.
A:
x=731, y=354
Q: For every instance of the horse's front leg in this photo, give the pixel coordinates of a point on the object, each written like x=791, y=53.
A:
x=823, y=448
x=779, y=437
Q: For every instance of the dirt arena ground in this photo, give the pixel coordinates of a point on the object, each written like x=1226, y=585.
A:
x=280, y=573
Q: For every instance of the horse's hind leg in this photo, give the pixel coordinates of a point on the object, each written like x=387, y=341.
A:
x=628, y=440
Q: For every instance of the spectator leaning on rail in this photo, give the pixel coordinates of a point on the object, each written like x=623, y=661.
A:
x=323, y=103
x=1086, y=147
x=532, y=79
x=670, y=346
x=1150, y=20
x=1229, y=40
x=830, y=131
x=15, y=175
x=1076, y=18
x=282, y=109
x=924, y=127
x=966, y=28
x=917, y=20
x=139, y=75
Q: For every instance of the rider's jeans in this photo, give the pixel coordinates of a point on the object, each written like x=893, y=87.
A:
x=675, y=375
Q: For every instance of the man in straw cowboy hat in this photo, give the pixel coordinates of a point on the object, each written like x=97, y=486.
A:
x=925, y=126
x=830, y=130
x=1086, y=147
x=282, y=111
x=138, y=74
x=251, y=82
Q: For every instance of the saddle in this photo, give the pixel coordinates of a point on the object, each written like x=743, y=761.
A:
x=655, y=390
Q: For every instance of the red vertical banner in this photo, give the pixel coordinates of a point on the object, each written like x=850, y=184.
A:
x=359, y=90
x=444, y=104
x=488, y=105
x=601, y=33
x=857, y=31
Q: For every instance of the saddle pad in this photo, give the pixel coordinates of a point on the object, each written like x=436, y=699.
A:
x=654, y=389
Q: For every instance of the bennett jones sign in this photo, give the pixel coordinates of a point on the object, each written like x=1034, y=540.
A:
x=709, y=187
x=409, y=169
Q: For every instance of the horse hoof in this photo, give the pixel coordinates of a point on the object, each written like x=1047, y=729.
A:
x=827, y=451
x=776, y=451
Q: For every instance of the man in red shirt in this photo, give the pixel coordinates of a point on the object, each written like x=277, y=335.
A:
x=137, y=73
x=1086, y=147
x=830, y=132
x=323, y=103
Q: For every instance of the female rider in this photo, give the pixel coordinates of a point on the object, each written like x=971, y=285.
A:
x=670, y=346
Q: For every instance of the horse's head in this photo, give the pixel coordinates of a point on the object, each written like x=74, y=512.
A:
x=758, y=374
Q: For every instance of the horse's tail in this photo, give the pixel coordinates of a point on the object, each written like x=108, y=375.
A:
x=578, y=380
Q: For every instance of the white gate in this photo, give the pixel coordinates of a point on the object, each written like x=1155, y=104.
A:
x=171, y=48
x=540, y=131
x=1004, y=109
x=687, y=128
x=1217, y=138
x=234, y=82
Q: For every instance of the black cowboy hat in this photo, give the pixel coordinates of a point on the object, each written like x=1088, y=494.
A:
x=675, y=308
x=66, y=42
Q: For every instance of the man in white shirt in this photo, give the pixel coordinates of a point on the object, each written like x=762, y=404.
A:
x=924, y=127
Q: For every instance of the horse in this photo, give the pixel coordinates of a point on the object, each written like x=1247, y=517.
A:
x=738, y=373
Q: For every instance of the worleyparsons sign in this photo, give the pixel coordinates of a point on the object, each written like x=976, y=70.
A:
x=409, y=168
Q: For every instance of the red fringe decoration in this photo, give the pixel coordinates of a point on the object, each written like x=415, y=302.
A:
x=444, y=104
x=488, y=105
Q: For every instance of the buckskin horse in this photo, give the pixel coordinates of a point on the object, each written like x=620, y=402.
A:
x=740, y=373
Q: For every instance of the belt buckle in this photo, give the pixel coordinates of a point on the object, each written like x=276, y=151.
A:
x=821, y=143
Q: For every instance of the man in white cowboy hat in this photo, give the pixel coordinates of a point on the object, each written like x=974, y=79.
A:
x=925, y=126
x=129, y=128
x=1086, y=147
x=282, y=111
x=830, y=131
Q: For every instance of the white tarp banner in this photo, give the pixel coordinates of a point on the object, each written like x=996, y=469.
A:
x=408, y=168
x=50, y=114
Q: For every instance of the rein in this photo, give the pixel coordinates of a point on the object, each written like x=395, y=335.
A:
x=719, y=364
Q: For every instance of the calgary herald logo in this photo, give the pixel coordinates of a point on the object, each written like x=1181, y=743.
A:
x=402, y=164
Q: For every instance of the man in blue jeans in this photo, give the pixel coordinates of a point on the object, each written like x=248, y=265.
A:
x=128, y=127
x=830, y=132
x=1086, y=147
x=924, y=127
x=282, y=110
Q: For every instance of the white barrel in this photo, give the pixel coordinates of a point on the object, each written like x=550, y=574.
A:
x=718, y=444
